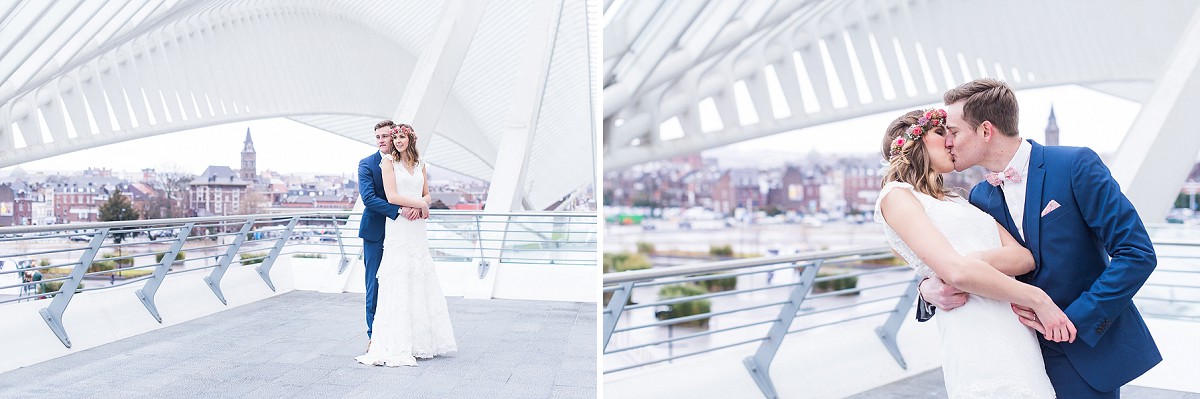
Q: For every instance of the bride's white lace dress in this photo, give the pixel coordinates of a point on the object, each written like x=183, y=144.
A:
x=411, y=320
x=986, y=351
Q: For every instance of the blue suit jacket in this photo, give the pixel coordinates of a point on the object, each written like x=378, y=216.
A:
x=370, y=187
x=1071, y=247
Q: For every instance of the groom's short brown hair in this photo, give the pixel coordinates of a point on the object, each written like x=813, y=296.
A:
x=385, y=123
x=987, y=99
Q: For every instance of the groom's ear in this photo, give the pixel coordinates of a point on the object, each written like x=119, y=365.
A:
x=988, y=130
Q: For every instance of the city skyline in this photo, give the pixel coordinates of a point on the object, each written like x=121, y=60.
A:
x=282, y=146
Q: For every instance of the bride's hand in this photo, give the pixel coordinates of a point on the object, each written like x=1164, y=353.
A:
x=1056, y=327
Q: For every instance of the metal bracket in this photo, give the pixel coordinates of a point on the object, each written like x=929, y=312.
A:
x=887, y=332
x=483, y=268
x=616, y=306
x=264, y=268
x=53, y=314
x=759, y=365
x=146, y=293
x=214, y=279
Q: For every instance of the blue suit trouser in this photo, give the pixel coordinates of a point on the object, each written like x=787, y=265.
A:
x=1067, y=382
x=372, y=256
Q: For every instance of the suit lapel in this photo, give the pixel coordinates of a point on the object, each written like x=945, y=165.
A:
x=377, y=173
x=1033, y=199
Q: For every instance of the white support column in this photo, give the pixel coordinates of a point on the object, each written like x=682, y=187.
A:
x=505, y=193
x=429, y=86
x=1161, y=145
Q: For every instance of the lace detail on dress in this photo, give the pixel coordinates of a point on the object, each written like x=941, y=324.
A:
x=986, y=352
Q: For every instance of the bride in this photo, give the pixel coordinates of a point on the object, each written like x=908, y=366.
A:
x=986, y=351
x=412, y=320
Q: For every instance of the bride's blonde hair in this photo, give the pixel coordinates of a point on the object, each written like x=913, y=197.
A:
x=905, y=155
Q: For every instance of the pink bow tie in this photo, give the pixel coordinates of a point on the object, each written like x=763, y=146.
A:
x=998, y=178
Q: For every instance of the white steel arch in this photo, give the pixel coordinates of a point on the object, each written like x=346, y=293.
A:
x=666, y=62
x=84, y=73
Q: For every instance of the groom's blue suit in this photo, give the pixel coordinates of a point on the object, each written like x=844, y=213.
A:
x=371, y=228
x=1071, y=247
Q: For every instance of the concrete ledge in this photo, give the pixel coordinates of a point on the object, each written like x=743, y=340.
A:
x=832, y=362
x=96, y=318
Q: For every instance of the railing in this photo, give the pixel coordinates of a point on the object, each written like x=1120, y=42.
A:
x=774, y=297
x=763, y=307
x=52, y=262
x=1173, y=291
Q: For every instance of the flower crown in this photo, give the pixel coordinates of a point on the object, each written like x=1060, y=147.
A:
x=932, y=118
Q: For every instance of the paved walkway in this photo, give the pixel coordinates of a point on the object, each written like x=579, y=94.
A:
x=930, y=385
x=302, y=345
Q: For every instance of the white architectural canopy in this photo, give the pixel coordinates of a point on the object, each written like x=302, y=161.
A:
x=754, y=68
x=465, y=73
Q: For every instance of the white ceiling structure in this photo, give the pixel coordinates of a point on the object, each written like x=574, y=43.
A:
x=772, y=66
x=683, y=76
x=472, y=76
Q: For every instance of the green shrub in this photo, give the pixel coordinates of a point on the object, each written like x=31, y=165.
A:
x=54, y=286
x=309, y=256
x=624, y=261
x=836, y=284
x=720, y=284
x=101, y=266
x=723, y=250
x=249, y=258
x=120, y=263
x=178, y=256
x=44, y=262
x=645, y=248
x=684, y=309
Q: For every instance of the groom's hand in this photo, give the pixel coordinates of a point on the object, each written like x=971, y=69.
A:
x=1028, y=317
x=942, y=295
x=412, y=213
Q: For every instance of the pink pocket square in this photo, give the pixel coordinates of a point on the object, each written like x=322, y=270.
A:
x=1050, y=207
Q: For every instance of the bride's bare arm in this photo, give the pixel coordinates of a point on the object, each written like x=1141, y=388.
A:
x=904, y=214
x=389, y=189
x=1011, y=258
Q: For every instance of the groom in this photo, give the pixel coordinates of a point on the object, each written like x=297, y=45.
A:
x=1064, y=205
x=370, y=186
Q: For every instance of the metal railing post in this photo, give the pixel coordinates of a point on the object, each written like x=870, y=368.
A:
x=53, y=313
x=264, y=268
x=483, y=262
x=214, y=279
x=616, y=306
x=759, y=365
x=341, y=248
x=887, y=332
x=146, y=293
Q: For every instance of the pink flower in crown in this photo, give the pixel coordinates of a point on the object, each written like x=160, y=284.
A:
x=916, y=131
x=899, y=142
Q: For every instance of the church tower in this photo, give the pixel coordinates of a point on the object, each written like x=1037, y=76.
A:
x=1052, y=129
x=249, y=170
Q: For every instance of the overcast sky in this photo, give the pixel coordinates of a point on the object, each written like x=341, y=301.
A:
x=281, y=145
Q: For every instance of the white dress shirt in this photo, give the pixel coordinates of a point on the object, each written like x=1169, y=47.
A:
x=1014, y=193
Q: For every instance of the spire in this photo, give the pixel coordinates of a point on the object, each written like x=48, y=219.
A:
x=1052, y=128
x=248, y=145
